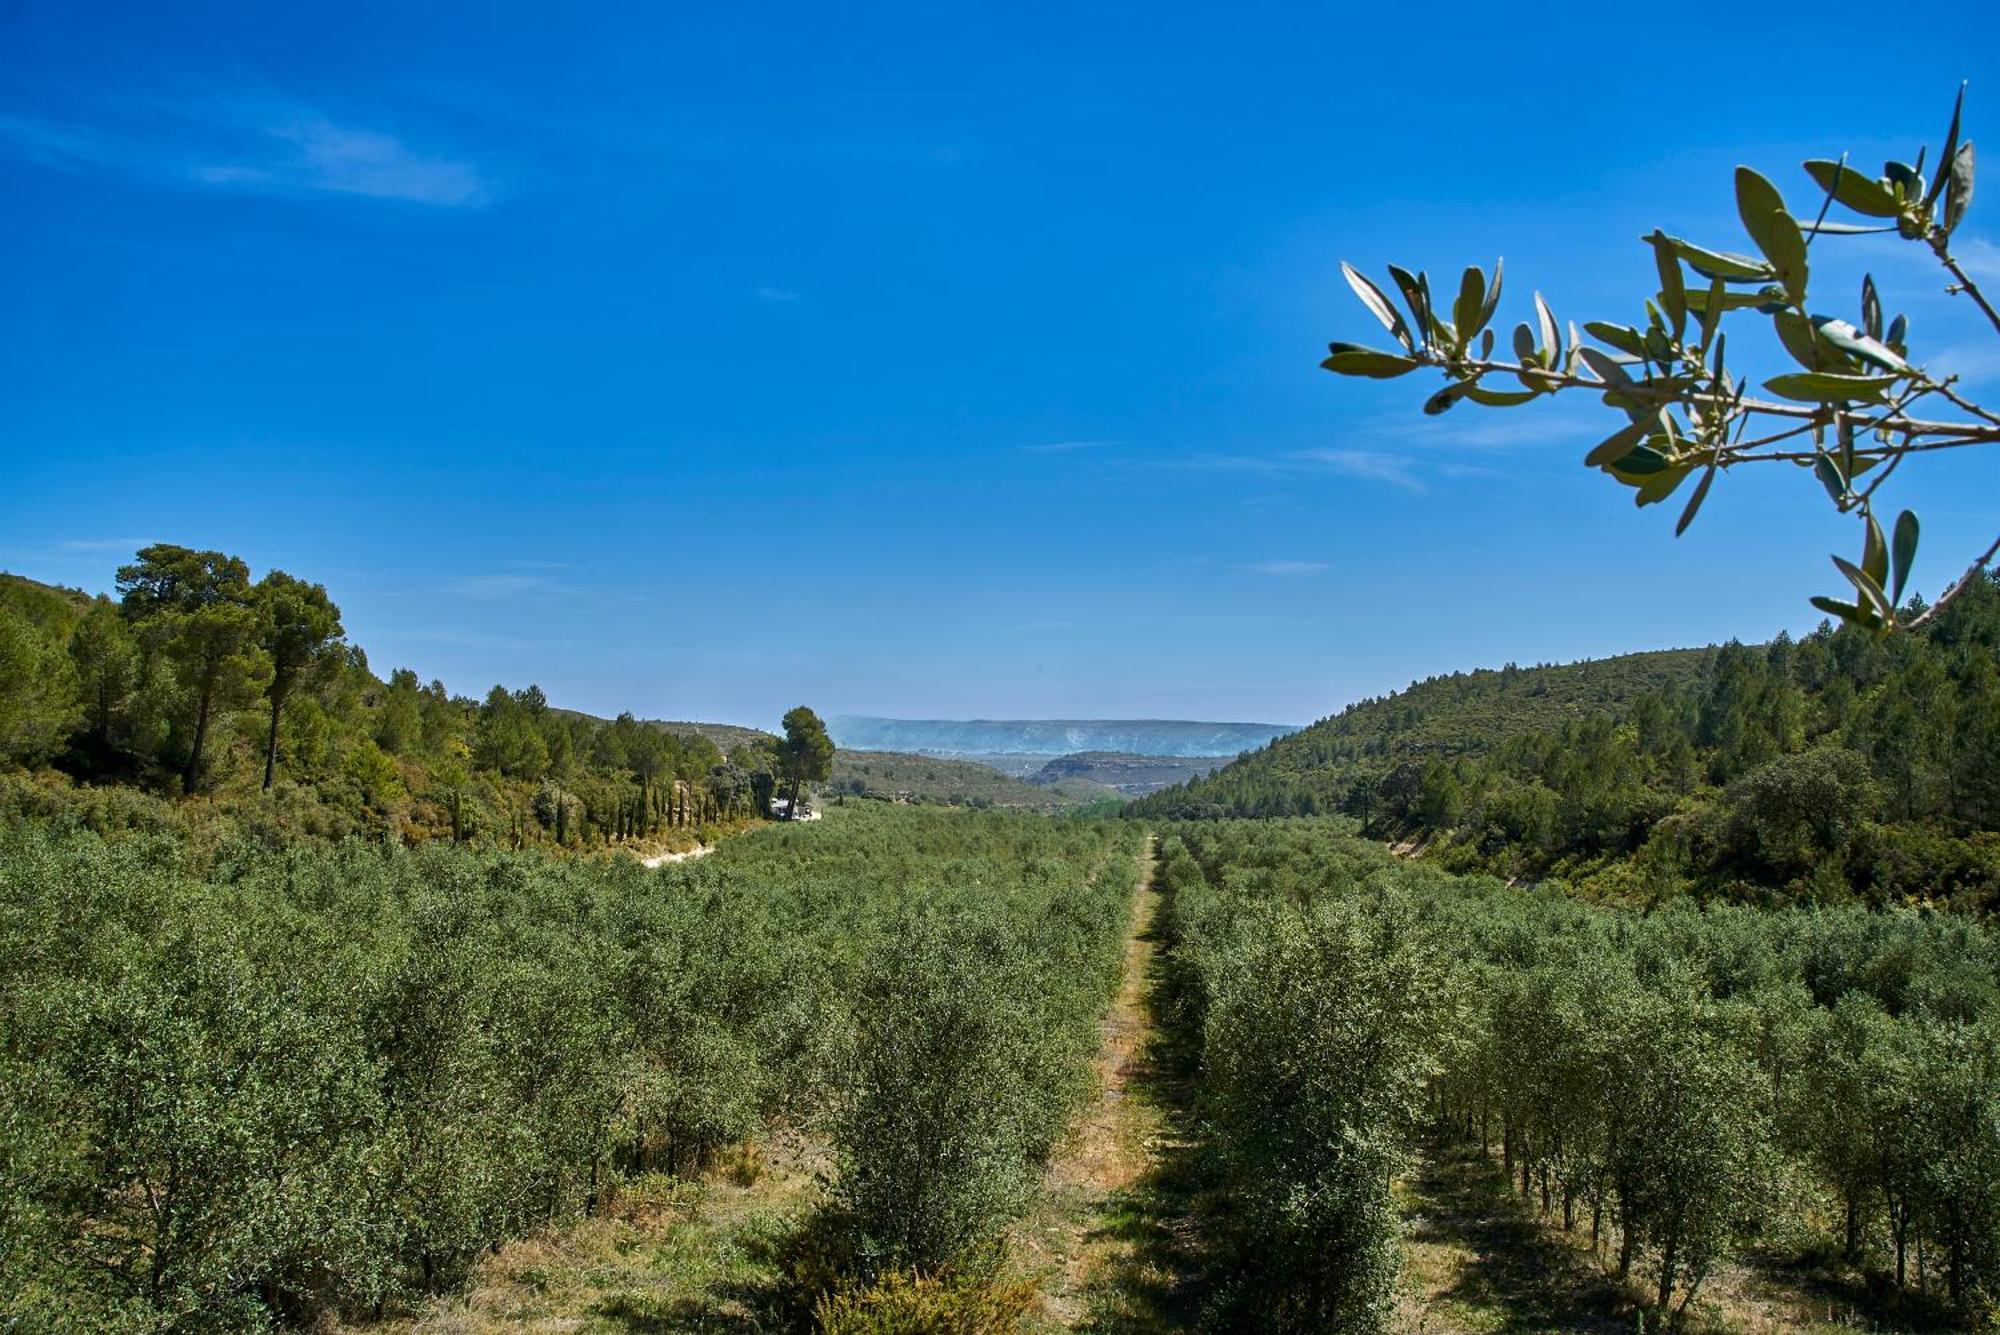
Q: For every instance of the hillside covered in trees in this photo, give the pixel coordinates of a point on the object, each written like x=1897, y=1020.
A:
x=199, y=682
x=1844, y=763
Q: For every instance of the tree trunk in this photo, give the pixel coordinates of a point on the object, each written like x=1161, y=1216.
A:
x=191, y=776
x=271, y=745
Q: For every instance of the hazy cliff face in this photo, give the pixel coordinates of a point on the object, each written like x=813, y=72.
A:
x=1147, y=737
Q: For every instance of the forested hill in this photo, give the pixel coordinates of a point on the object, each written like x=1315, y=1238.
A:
x=199, y=682
x=726, y=736
x=1841, y=764
x=1463, y=714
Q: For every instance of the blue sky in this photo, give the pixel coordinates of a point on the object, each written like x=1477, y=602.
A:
x=927, y=361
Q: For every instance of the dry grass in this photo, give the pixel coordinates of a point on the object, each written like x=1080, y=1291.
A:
x=1479, y=1260
x=1116, y=1242
x=1110, y=1148
x=666, y=1254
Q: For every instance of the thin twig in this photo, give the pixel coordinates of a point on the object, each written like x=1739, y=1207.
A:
x=1964, y=404
x=1939, y=242
x=1973, y=572
x=1971, y=432
x=1864, y=452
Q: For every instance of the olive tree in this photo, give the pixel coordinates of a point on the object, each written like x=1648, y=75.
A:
x=1857, y=405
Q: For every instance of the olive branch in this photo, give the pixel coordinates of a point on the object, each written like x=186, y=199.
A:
x=1850, y=411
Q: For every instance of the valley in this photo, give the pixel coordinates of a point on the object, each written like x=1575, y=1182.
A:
x=724, y=670
x=1674, y=1001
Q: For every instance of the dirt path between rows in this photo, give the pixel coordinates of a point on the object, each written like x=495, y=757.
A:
x=1110, y=1236
x=1101, y=1157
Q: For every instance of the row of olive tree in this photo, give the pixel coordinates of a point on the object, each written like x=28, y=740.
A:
x=1683, y=1084
x=322, y=1080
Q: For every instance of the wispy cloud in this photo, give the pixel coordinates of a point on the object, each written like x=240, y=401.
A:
x=104, y=544
x=1282, y=568
x=263, y=144
x=1369, y=465
x=1395, y=468
x=1068, y=446
x=495, y=588
x=1973, y=363
x=315, y=154
x=776, y=294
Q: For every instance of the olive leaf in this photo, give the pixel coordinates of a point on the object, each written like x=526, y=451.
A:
x=1826, y=387
x=1958, y=195
x=1353, y=359
x=1465, y=312
x=1904, y=551
x=1875, y=552
x=1673, y=289
x=1871, y=592
x=1857, y=344
x=1700, y=494
x=1853, y=189
x=1378, y=302
x=1949, y=158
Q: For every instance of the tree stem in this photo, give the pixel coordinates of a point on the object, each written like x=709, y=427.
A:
x=1965, y=284
x=1972, y=572
x=1969, y=432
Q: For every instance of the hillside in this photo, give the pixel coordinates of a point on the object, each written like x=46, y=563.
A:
x=1134, y=776
x=1840, y=764
x=1050, y=737
x=246, y=695
x=1462, y=714
x=899, y=776
x=726, y=736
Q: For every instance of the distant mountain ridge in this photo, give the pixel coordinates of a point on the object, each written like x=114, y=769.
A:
x=1133, y=776
x=895, y=777
x=1147, y=737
